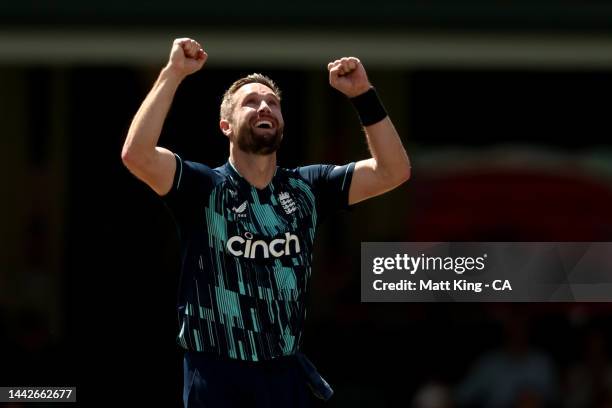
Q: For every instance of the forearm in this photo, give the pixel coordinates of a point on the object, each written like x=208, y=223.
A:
x=146, y=127
x=389, y=166
x=391, y=161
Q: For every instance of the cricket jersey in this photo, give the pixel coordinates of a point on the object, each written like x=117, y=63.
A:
x=246, y=255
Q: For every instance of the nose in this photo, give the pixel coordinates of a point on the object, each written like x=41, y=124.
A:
x=264, y=107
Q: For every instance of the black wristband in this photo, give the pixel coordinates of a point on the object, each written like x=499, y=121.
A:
x=369, y=107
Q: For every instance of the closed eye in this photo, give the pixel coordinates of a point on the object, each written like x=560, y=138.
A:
x=249, y=101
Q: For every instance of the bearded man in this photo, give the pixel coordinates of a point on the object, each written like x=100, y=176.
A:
x=247, y=230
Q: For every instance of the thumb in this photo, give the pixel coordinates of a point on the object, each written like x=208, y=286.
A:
x=202, y=55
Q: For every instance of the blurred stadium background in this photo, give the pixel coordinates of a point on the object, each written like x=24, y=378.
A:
x=504, y=108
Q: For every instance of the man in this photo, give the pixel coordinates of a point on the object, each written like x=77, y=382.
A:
x=247, y=230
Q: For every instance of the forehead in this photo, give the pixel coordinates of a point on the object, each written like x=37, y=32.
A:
x=254, y=88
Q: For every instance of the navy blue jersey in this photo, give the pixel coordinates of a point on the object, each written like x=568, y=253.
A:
x=247, y=255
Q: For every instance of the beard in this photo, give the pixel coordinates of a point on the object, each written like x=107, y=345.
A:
x=259, y=141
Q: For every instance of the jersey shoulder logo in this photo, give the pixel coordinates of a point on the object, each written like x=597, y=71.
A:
x=287, y=202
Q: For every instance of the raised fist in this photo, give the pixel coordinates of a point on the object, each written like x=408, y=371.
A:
x=348, y=76
x=186, y=56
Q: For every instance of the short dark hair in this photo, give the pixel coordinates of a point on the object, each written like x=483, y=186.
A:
x=227, y=104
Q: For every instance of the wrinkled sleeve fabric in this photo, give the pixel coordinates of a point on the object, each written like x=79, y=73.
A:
x=191, y=186
x=331, y=185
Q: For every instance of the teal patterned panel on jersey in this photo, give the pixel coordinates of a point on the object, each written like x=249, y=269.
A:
x=229, y=307
x=289, y=341
x=266, y=217
x=267, y=295
x=219, y=278
x=217, y=227
x=255, y=320
x=305, y=188
x=230, y=315
x=198, y=340
x=242, y=285
x=286, y=282
x=311, y=205
x=208, y=316
x=253, y=346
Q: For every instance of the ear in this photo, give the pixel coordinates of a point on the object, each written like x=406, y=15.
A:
x=226, y=127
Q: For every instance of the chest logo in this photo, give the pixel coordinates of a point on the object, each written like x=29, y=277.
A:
x=249, y=247
x=239, y=211
x=287, y=203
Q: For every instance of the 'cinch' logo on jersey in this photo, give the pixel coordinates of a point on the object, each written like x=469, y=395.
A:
x=247, y=248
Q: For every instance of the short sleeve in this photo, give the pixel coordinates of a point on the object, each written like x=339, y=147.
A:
x=192, y=184
x=331, y=185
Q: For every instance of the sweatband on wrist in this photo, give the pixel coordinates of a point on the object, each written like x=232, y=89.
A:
x=369, y=107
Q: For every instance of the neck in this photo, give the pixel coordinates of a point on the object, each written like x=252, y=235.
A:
x=257, y=169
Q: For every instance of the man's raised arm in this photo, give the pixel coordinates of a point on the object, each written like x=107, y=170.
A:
x=152, y=164
x=389, y=165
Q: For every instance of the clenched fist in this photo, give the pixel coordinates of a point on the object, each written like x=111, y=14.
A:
x=348, y=76
x=186, y=57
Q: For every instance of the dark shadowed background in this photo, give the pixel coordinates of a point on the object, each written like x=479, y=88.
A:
x=504, y=108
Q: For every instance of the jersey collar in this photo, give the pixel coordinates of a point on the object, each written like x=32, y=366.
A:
x=233, y=172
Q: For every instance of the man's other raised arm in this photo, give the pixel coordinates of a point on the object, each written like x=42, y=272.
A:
x=389, y=165
x=150, y=163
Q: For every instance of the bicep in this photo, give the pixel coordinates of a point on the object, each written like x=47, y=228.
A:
x=157, y=170
x=367, y=182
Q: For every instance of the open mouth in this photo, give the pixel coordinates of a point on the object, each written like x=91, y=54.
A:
x=263, y=124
